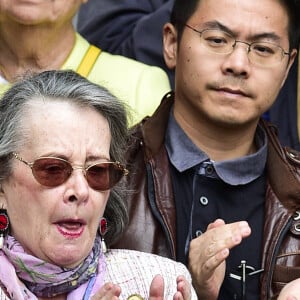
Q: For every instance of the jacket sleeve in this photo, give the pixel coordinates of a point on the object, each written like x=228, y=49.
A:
x=132, y=28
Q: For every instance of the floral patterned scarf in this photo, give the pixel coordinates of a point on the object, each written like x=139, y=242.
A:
x=42, y=279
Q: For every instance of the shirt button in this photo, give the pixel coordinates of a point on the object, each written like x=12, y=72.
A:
x=198, y=232
x=209, y=170
x=203, y=200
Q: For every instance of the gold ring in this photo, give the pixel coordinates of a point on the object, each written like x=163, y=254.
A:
x=135, y=297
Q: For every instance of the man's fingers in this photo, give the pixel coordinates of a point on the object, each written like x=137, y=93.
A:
x=220, y=236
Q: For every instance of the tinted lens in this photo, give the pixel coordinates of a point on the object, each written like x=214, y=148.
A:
x=104, y=176
x=51, y=171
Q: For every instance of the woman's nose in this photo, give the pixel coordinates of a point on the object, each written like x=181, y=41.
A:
x=77, y=187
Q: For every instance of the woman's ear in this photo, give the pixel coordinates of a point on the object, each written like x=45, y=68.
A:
x=170, y=45
x=3, y=203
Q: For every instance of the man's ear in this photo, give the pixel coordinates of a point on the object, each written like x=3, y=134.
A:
x=293, y=56
x=170, y=45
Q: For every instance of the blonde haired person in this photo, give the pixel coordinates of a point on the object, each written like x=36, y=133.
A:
x=39, y=35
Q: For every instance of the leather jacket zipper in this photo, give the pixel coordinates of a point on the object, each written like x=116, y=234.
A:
x=151, y=196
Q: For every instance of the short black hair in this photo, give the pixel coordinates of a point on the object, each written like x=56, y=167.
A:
x=293, y=10
x=184, y=9
x=181, y=12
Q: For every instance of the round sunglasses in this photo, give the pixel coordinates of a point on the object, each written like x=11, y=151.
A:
x=54, y=171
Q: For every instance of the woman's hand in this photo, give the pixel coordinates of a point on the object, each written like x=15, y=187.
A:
x=157, y=289
x=183, y=289
x=112, y=291
x=108, y=291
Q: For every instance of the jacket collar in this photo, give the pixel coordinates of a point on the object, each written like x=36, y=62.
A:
x=283, y=164
x=154, y=128
x=283, y=169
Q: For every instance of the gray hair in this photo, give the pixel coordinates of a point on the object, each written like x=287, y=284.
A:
x=70, y=87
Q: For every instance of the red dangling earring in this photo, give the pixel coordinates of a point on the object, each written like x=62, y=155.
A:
x=102, y=231
x=4, y=225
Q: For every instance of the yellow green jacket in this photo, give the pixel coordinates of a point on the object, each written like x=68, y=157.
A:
x=140, y=86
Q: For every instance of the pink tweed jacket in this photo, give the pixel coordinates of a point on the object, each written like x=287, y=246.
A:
x=133, y=271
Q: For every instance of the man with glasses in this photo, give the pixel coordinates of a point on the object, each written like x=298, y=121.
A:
x=212, y=187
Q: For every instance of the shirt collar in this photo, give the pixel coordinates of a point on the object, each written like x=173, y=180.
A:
x=184, y=154
x=75, y=57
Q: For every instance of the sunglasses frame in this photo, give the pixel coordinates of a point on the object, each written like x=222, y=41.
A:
x=116, y=164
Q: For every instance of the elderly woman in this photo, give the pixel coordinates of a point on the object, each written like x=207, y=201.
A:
x=38, y=35
x=62, y=142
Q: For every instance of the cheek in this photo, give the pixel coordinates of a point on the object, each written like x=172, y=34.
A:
x=104, y=200
x=28, y=214
x=269, y=86
x=99, y=204
x=30, y=223
x=27, y=204
x=187, y=60
x=194, y=66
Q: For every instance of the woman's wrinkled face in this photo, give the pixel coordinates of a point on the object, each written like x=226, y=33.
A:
x=58, y=224
x=34, y=12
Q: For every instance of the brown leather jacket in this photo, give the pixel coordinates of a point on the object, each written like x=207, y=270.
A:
x=152, y=212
